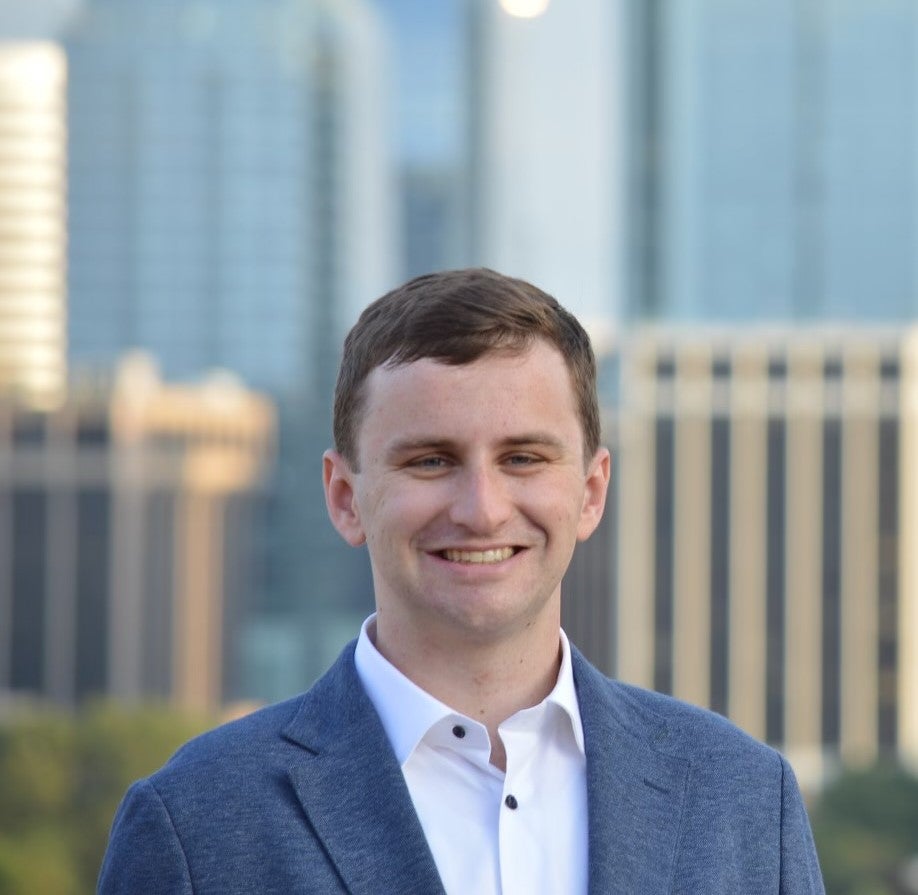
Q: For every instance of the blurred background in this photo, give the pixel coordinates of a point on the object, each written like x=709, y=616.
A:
x=197, y=197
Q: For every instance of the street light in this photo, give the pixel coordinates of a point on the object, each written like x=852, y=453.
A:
x=524, y=9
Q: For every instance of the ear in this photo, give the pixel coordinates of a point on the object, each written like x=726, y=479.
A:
x=594, y=497
x=340, y=498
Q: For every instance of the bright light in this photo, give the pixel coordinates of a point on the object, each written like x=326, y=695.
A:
x=524, y=9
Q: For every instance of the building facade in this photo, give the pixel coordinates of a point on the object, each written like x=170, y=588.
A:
x=127, y=525
x=33, y=221
x=770, y=160
x=227, y=167
x=547, y=150
x=434, y=63
x=768, y=483
x=232, y=204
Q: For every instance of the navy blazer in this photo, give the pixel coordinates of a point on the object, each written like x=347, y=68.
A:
x=307, y=797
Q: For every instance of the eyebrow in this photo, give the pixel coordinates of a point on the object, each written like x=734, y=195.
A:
x=423, y=443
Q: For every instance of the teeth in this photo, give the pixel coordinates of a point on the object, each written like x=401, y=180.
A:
x=479, y=556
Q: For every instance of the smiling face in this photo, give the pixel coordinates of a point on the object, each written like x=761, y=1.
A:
x=471, y=494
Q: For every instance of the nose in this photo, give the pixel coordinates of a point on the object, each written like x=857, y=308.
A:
x=481, y=503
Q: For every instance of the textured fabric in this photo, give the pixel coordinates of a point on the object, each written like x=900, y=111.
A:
x=307, y=797
x=479, y=844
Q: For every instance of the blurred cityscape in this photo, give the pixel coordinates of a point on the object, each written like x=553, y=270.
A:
x=198, y=196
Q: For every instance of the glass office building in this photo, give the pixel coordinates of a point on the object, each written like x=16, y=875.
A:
x=771, y=159
x=232, y=206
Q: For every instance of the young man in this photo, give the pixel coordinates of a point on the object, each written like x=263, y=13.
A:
x=462, y=744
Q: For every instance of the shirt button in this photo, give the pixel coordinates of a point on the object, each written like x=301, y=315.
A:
x=511, y=803
x=458, y=731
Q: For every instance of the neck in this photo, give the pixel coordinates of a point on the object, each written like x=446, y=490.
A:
x=485, y=681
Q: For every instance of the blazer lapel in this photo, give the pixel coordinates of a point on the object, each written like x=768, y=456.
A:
x=634, y=791
x=353, y=791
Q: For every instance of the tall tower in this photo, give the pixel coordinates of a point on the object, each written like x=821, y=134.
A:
x=547, y=150
x=232, y=206
x=771, y=160
x=33, y=241
x=433, y=62
x=126, y=527
x=768, y=481
x=229, y=183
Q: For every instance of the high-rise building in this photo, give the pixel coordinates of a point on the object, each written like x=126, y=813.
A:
x=230, y=199
x=33, y=202
x=508, y=145
x=546, y=150
x=232, y=205
x=770, y=161
x=435, y=72
x=128, y=520
x=768, y=483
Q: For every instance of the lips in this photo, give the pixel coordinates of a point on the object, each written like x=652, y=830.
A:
x=478, y=557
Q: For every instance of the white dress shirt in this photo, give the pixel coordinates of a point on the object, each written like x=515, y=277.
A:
x=523, y=831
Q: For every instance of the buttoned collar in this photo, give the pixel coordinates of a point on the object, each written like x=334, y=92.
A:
x=409, y=714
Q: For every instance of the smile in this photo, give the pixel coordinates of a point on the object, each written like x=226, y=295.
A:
x=478, y=556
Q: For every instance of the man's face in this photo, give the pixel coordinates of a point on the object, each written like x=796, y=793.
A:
x=471, y=494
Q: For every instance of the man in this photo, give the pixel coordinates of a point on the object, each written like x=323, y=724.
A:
x=462, y=744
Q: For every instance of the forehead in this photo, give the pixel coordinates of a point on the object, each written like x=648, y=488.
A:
x=493, y=395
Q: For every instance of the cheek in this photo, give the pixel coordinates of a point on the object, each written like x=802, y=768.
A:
x=401, y=511
x=568, y=502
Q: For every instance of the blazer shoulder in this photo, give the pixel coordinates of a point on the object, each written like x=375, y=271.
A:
x=234, y=744
x=265, y=737
x=694, y=731
x=666, y=724
x=252, y=731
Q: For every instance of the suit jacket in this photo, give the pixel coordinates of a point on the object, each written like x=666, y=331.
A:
x=307, y=797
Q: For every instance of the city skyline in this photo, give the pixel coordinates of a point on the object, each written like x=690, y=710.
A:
x=242, y=179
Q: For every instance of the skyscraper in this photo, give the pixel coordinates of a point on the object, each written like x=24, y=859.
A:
x=508, y=145
x=770, y=157
x=127, y=517
x=768, y=483
x=232, y=205
x=547, y=150
x=230, y=196
x=434, y=68
x=33, y=202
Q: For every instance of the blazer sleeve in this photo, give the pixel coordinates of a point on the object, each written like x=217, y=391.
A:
x=144, y=853
x=800, y=873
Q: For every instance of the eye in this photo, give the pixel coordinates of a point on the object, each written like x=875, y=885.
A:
x=428, y=463
x=523, y=460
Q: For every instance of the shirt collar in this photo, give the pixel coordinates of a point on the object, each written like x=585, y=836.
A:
x=407, y=712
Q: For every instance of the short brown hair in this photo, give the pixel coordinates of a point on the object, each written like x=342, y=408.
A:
x=456, y=317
